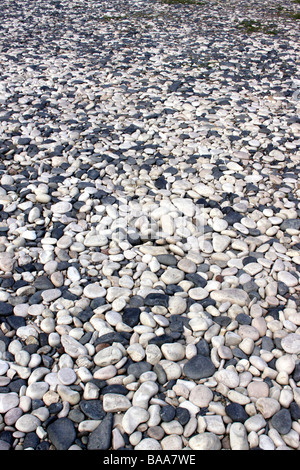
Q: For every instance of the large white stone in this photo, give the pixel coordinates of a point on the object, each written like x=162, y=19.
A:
x=235, y=296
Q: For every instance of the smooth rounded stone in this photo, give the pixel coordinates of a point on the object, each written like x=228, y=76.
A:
x=287, y=278
x=114, y=403
x=67, y=376
x=173, y=442
x=248, y=331
x=156, y=299
x=173, y=351
x=61, y=207
x=167, y=259
x=136, y=352
x=291, y=343
x=201, y=396
x=167, y=413
x=73, y=274
x=199, y=367
x=50, y=295
x=6, y=309
x=253, y=268
x=61, y=433
x=286, y=363
x=108, y=356
x=172, y=427
x=37, y=390
x=214, y=424
x=186, y=265
x=172, y=276
x=267, y=406
x=185, y=205
x=255, y=423
x=93, y=291
x=153, y=354
x=227, y=377
x=4, y=445
x=95, y=240
x=12, y=415
x=48, y=325
x=138, y=368
x=4, y=366
x=220, y=242
x=143, y=394
x=148, y=444
x=114, y=293
x=203, y=190
x=27, y=423
x=199, y=324
x=266, y=443
x=133, y=417
x=131, y=315
x=205, y=441
x=73, y=347
x=236, y=412
x=8, y=401
x=258, y=389
x=7, y=262
x=282, y=421
x=177, y=305
x=198, y=293
x=238, y=437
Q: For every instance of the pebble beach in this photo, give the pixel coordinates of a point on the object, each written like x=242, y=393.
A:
x=149, y=225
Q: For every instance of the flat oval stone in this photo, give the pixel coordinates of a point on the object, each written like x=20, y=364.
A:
x=27, y=423
x=94, y=290
x=67, y=376
x=61, y=207
x=108, y=356
x=199, y=367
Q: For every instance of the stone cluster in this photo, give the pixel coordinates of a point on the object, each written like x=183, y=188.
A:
x=149, y=227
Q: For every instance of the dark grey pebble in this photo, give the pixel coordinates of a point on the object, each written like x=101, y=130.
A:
x=167, y=260
x=236, y=412
x=100, y=438
x=6, y=309
x=290, y=223
x=167, y=413
x=138, y=368
x=62, y=433
x=282, y=421
x=93, y=409
x=131, y=316
x=199, y=367
x=43, y=283
x=154, y=299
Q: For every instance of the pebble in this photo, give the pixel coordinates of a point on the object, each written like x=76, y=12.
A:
x=205, y=441
x=149, y=228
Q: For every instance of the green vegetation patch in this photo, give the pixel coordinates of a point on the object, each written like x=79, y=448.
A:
x=253, y=26
x=295, y=16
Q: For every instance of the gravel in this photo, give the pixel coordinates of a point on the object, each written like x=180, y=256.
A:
x=149, y=225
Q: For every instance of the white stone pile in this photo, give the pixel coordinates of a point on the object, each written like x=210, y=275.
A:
x=149, y=227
